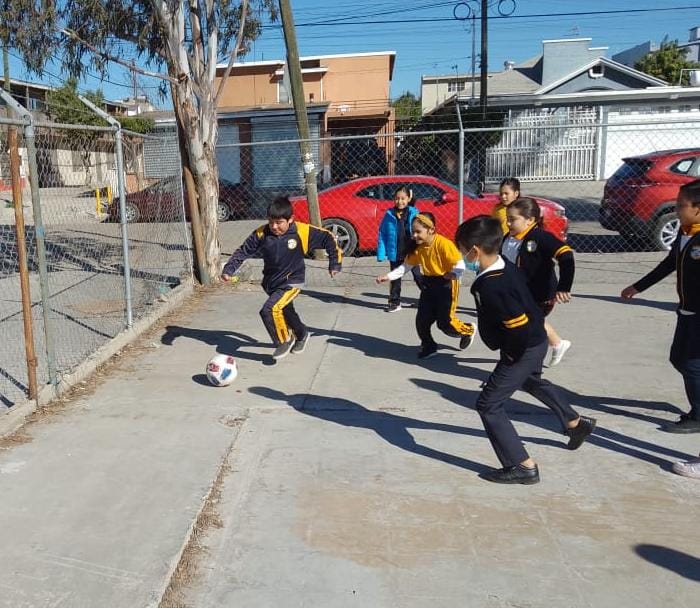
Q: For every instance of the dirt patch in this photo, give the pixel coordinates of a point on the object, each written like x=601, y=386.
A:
x=187, y=568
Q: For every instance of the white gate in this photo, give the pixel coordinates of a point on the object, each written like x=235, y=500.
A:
x=547, y=145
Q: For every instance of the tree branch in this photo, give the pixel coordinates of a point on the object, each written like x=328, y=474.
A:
x=234, y=52
x=114, y=59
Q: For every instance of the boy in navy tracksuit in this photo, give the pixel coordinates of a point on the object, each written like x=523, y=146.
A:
x=394, y=239
x=283, y=244
x=511, y=321
x=684, y=258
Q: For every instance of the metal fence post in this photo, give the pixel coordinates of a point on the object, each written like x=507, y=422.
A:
x=119, y=152
x=39, y=231
x=460, y=204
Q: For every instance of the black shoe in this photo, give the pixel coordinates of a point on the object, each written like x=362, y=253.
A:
x=393, y=308
x=516, y=474
x=466, y=341
x=300, y=344
x=580, y=432
x=686, y=424
x=284, y=349
x=427, y=351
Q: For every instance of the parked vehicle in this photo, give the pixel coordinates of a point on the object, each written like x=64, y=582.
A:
x=638, y=199
x=162, y=202
x=353, y=210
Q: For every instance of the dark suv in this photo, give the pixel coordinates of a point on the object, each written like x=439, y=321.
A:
x=638, y=200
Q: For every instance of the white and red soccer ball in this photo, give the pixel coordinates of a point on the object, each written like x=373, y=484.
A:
x=222, y=370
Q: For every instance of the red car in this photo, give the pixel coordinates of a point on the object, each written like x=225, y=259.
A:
x=354, y=210
x=162, y=202
x=638, y=199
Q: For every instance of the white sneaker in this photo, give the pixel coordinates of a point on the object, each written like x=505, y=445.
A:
x=558, y=352
x=689, y=468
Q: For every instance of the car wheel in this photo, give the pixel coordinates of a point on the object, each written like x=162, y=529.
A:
x=666, y=231
x=344, y=234
x=131, y=213
x=223, y=212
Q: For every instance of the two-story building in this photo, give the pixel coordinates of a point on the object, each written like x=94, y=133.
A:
x=346, y=94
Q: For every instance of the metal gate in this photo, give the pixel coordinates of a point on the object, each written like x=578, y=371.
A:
x=546, y=145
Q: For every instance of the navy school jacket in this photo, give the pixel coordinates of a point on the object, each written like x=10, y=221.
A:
x=284, y=256
x=536, y=258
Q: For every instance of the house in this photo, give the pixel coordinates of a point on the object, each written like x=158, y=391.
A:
x=346, y=94
x=59, y=162
x=632, y=55
x=574, y=87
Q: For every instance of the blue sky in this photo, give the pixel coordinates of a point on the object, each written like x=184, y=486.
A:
x=436, y=47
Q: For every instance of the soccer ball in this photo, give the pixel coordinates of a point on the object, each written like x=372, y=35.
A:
x=222, y=370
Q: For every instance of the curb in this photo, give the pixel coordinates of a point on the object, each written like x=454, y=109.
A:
x=15, y=418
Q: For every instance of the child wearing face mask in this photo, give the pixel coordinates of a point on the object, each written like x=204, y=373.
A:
x=511, y=322
x=441, y=266
x=394, y=239
x=508, y=193
x=534, y=251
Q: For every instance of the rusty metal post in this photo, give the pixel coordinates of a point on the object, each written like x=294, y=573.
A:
x=16, y=178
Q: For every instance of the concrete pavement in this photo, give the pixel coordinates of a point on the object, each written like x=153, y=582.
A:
x=347, y=476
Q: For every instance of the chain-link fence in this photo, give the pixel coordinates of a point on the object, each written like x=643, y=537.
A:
x=90, y=274
x=608, y=184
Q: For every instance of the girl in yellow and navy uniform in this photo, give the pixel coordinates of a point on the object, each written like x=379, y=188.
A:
x=508, y=193
x=442, y=266
x=684, y=258
x=534, y=250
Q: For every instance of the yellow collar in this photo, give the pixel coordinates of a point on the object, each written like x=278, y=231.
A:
x=690, y=230
x=521, y=235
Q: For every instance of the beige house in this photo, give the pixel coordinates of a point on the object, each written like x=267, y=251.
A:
x=346, y=94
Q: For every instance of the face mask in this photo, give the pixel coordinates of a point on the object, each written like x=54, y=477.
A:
x=473, y=266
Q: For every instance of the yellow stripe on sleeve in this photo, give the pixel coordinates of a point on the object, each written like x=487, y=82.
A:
x=516, y=322
x=563, y=249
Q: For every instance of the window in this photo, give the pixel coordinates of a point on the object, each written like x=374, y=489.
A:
x=426, y=192
x=597, y=71
x=453, y=86
x=664, y=109
x=374, y=191
x=683, y=166
x=685, y=108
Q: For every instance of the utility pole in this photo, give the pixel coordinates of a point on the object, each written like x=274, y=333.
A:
x=473, y=56
x=297, y=85
x=483, y=97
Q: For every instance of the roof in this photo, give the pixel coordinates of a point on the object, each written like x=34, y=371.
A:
x=621, y=67
x=281, y=62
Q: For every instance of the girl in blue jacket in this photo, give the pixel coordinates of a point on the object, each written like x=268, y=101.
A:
x=393, y=242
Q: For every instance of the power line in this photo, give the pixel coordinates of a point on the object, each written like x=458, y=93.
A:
x=527, y=16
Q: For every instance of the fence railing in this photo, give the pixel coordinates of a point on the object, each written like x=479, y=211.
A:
x=93, y=265
x=607, y=185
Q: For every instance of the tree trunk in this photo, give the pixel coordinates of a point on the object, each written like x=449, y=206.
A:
x=200, y=136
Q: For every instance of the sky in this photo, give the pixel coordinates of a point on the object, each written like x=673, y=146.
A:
x=438, y=43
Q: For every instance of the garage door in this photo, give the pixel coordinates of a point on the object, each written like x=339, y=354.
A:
x=279, y=165
x=228, y=153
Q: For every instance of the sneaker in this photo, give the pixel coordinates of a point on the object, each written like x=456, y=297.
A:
x=580, y=432
x=428, y=351
x=393, y=308
x=558, y=352
x=516, y=474
x=690, y=468
x=466, y=341
x=685, y=424
x=300, y=344
x=284, y=349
